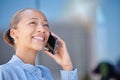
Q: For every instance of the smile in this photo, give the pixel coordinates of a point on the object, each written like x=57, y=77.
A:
x=39, y=38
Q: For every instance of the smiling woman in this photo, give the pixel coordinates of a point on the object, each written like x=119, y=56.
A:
x=29, y=32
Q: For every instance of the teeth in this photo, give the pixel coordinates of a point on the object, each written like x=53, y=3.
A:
x=40, y=38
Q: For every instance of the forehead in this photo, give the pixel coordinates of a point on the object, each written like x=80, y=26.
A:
x=33, y=14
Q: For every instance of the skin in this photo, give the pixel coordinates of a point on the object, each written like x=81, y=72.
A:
x=31, y=36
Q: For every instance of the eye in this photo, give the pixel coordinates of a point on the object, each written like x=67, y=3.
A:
x=46, y=25
x=33, y=23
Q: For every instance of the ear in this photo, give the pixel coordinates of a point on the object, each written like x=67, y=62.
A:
x=13, y=34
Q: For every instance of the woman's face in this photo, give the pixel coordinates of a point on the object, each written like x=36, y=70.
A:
x=32, y=31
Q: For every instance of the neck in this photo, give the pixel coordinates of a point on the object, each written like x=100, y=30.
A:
x=27, y=56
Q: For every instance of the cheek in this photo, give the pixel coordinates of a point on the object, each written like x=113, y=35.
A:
x=24, y=35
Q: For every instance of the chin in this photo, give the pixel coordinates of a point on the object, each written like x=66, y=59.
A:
x=39, y=48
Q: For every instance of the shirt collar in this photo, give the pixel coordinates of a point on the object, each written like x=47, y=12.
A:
x=16, y=60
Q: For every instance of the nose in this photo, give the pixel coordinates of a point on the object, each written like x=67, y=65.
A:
x=40, y=29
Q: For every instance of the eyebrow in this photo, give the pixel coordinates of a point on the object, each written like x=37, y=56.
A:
x=39, y=19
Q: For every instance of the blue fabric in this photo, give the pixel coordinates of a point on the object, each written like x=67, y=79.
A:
x=15, y=69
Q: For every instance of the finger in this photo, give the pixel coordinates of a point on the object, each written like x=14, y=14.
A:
x=55, y=35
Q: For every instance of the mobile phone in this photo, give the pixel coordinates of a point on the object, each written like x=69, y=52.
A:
x=51, y=44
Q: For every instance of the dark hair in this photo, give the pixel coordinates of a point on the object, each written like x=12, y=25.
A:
x=7, y=38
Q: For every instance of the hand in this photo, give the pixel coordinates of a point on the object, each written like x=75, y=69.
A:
x=61, y=56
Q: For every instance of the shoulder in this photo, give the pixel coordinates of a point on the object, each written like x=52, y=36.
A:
x=8, y=68
x=4, y=71
x=10, y=71
x=4, y=67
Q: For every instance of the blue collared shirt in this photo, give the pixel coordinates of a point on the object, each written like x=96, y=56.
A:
x=15, y=69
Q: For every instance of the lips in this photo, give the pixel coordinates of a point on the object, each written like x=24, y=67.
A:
x=39, y=38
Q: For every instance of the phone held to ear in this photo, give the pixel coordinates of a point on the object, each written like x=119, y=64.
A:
x=52, y=44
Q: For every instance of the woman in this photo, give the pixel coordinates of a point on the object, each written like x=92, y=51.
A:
x=28, y=34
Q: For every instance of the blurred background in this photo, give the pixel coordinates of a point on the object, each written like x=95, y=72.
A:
x=89, y=27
